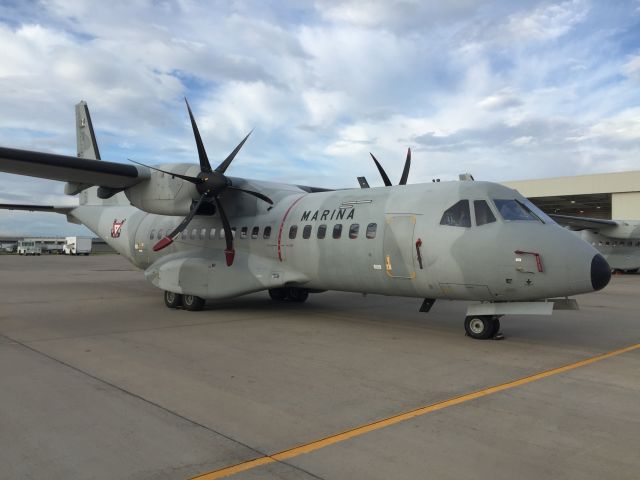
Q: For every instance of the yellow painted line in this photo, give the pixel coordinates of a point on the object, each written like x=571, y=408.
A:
x=355, y=432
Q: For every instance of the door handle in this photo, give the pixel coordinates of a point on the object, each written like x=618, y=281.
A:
x=418, y=245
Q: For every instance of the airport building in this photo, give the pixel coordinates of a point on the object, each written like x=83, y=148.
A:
x=603, y=195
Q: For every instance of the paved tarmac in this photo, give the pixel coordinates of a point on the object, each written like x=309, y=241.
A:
x=99, y=380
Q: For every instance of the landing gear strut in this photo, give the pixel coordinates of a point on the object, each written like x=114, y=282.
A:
x=482, y=327
x=291, y=294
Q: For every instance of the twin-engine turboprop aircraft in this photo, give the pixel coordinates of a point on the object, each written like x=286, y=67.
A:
x=199, y=234
x=617, y=240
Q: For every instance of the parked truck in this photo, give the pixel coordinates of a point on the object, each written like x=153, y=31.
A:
x=28, y=248
x=77, y=246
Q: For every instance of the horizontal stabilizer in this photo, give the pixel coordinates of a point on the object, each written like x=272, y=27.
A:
x=583, y=223
x=36, y=208
x=71, y=169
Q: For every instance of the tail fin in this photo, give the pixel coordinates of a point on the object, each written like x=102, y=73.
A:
x=88, y=148
x=86, y=138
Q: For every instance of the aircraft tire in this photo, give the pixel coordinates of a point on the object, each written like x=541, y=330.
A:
x=481, y=327
x=297, y=294
x=278, y=294
x=172, y=300
x=192, y=303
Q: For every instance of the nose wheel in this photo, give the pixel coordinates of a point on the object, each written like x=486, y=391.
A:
x=483, y=327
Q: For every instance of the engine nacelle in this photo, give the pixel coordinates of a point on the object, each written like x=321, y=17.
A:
x=163, y=194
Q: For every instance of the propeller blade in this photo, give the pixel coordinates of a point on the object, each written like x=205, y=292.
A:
x=194, y=180
x=255, y=194
x=383, y=174
x=205, y=166
x=168, y=240
x=227, y=161
x=228, y=234
x=407, y=166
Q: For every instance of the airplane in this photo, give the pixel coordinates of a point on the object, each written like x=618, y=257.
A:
x=200, y=235
x=617, y=240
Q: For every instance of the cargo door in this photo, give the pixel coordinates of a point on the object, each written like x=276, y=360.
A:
x=398, y=245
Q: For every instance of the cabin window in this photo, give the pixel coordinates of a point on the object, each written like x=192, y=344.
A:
x=203, y=233
x=212, y=234
x=221, y=234
x=266, y=233
x=353, y=230
x=160, y=234
x=254, y=232
x=606, y=243
x=483, y=213
x=514, y=210
x=152, y=234
x=371, y=230
x=233, y=232
x=306, y=231
x=243, y=232
x=322, y=231
x=458, y=215
x=293, y=231
x=337, y=230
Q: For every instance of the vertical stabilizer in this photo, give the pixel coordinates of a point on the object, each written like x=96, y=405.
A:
x=86, y=138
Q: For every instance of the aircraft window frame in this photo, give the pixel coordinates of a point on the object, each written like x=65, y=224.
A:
x=152, y=234
x=306, y=232
x=372, y=230
x=510, y=215
x=293, y=232
x=203, y=234
x=337, y=231
x=354, y=229
x=212, y=234
x=457, y=215
x=266, y=233
x=192, y=234
x=322, y=231
x=221, y=234
x=243, y=232
x=491, y=218
x=255, y=232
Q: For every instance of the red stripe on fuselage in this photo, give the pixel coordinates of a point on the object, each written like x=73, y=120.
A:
x=282, y=225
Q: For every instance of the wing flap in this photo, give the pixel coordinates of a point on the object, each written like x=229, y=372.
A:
x=583, y=223
x=70, y=169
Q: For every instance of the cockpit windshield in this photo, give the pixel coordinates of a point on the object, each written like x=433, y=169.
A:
x=515, y=210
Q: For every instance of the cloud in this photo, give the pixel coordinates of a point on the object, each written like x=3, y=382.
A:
x=504, y=89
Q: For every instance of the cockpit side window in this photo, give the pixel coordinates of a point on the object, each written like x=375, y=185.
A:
x=514, y=210
x=458, y=215
x=483, y=213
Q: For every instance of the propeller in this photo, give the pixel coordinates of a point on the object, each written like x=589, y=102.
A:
x=405, y=171
x=209, y=184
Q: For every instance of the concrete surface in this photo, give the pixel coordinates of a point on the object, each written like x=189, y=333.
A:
x=98, y=380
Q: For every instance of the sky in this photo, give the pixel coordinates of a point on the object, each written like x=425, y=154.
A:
x=505, y=90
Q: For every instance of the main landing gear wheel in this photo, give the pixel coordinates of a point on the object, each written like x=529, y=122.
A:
x=192, y=303
x=482, y=327
x=297, y=294
x=172, y=300
x=291, y=294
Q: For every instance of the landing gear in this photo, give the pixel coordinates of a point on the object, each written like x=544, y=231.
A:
x=172, y=300
x=291, y=294
x=482, y=327
x=192, y=303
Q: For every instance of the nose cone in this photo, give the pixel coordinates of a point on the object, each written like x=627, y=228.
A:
x=600, y=272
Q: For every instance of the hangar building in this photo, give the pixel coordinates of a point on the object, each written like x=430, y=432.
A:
x=603, y=195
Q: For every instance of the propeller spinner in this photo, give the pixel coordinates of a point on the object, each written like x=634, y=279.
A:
x=209, y=184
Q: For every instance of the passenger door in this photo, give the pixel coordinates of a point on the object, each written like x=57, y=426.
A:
x=398, y=245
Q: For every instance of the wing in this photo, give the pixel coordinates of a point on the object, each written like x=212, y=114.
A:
x=583, y=223
x=71, y=169
x=36, y=208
